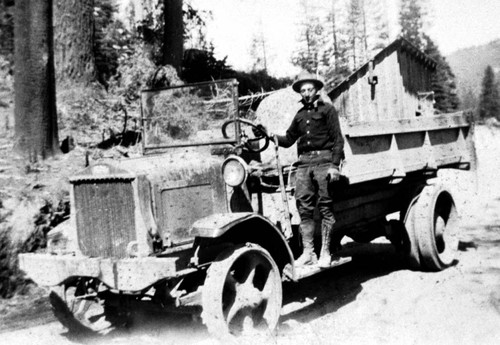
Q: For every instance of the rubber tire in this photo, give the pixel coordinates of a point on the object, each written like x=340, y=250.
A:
x=410, y=240
x=410, y=244
x=436, y=222
x=213, y=314
x=108, y=319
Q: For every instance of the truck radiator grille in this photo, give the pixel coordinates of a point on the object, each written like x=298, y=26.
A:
x=105, y=217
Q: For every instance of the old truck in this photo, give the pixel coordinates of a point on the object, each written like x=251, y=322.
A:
x=189, y=225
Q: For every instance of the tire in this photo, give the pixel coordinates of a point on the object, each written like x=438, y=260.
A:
x=242, y=293
x=79, y=309
x=436, y=225
x=409, y=245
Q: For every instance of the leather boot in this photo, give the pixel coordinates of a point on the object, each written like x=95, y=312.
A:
x=325, y=257
x=308, y=256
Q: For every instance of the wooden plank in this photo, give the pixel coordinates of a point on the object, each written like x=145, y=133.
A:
x=416, y=124
x=400, y=90
x=393, y=69
x=362, y=110
x=387, y=86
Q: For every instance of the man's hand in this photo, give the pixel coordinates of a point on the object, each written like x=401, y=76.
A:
x=260, y=131
x=333, y=174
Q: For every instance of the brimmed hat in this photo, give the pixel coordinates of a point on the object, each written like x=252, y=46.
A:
x=303, y=77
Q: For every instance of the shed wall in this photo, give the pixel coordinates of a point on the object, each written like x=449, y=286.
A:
x=401, y=77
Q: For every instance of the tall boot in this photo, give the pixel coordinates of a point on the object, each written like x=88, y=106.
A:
x=325, y=257
x=308, y=256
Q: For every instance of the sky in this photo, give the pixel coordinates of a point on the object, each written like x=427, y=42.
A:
x=453, y=24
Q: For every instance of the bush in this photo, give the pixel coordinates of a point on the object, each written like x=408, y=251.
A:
x=11, y=277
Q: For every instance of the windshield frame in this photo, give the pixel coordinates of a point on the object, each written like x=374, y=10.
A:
x=232, y=141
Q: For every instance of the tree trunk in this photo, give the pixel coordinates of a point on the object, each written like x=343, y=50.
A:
x=34, y=84
x=173, y=39
x=335, y=44
x=74, y=40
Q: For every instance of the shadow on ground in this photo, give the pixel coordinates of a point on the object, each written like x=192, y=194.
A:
x=339, y=286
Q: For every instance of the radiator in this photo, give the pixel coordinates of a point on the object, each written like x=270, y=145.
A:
x=105, y=217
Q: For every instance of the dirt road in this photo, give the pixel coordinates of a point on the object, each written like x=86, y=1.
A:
x=374, y=299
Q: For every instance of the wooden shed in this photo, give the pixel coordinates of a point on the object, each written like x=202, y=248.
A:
x=388, y=119
x=395, y=84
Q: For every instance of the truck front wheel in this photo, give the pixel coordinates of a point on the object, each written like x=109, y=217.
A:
x=78, y=307
x=242, y=293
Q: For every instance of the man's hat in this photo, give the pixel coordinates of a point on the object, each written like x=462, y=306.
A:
x=303, y=77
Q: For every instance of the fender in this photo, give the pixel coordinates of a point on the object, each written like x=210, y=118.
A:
x=244, y=227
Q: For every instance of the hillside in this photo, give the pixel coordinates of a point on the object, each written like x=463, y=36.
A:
x=469, y=64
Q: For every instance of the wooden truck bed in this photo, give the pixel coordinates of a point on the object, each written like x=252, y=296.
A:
x=387, y=115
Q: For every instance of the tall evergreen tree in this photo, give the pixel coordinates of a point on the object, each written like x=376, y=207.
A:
x=258, y=50
x=34, y=83
x=469, y=100
x=489, y=102
x=311, y=41
x=356, y=33
x=443, y=80
x=74, y=39
x=378, y=25
x=173, y=35
x=335, y=58
x=411, y=21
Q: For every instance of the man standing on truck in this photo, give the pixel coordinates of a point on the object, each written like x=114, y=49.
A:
x=320, y=147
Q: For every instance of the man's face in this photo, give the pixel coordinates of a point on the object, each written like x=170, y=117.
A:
x=308, y=92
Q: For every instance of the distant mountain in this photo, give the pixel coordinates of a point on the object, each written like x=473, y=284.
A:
x=469, y=64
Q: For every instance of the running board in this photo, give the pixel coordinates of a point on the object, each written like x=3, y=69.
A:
x=302, y=272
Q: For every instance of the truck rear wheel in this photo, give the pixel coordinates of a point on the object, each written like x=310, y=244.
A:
x=436, y=225
x=410, y=244
x=81, y=311
x=242, y=293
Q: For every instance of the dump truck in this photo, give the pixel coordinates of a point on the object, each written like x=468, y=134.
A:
x=191, y=224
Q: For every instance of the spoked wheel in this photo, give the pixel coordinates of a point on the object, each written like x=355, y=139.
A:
x=79, y=309
x=242, y=293
x=436, y=224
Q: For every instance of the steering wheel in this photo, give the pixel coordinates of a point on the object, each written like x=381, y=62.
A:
x=248, y=142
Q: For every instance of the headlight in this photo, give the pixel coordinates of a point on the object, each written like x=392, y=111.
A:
x=234, y=171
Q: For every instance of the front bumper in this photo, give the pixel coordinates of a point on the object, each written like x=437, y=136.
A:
x=133, y=274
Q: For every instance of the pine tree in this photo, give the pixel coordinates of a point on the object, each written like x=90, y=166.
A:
x=335, y=58
x=173, y=34
x=258, y=50
x=356, y=33
x=469, y=100
x=411, y=21
x=489, y=102
x=378, y=25
x=74, y=39
x=443, y=80
x=311, y=41
x=34, y=83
